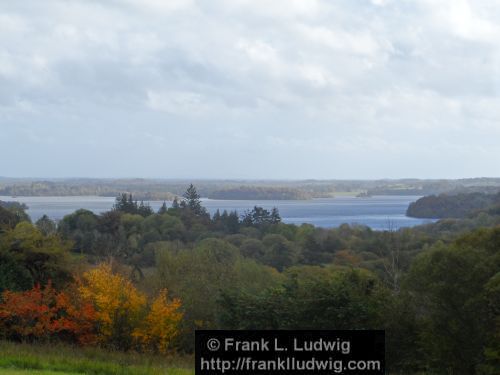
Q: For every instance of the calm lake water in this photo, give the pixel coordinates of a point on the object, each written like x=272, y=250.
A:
x=377, y=212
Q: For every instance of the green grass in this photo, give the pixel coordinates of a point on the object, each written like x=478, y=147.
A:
x=57, y=359
x=7, y=371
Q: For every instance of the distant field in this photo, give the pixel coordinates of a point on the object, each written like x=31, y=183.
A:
x=346, y=193
x=24, y=359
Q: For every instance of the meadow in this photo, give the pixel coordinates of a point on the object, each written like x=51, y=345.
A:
x=51, y=359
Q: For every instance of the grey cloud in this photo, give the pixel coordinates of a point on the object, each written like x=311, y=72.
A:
x=285, y=87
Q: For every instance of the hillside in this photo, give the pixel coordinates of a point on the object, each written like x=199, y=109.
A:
x=452, y=205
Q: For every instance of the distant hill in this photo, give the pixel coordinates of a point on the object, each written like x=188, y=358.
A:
x=453, y=205
x=259, y=193
x=166, y=189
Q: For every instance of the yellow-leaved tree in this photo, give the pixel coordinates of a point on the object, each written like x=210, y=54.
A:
x=161, y=324
x=125, y=319
x=119, y=305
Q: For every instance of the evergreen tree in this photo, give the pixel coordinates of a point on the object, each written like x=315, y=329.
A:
x=260, y=216
x=275, y=216
x=131, y=204
x=144, y=209
x=125, y=203
x=175, y=204
x=193, y=202
x=163, y=208
x=247, y=218
x=217, y=216
x=232, y=222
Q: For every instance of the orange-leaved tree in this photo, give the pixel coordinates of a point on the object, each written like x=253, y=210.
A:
x=43, y=313
x=103, y=307
x=161, y=325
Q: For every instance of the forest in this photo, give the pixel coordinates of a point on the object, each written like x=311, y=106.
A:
x=133, y=280
x=459, y=205
x=167, y=189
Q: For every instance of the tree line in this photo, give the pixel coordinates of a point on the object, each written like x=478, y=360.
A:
x=459, y=205
x=435, y=289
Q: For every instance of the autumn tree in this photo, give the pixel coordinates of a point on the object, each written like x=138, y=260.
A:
x=122, y=311
x=160, y=327
x=44, y=313
x=118, y=303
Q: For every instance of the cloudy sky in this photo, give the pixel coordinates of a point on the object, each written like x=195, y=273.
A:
x=250, y=88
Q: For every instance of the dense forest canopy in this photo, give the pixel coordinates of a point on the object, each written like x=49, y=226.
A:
x=454, y=205
x=433, y=288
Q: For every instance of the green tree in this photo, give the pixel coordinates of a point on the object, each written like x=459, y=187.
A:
x=46, y=225
x=253, y=248
x=309, y=298
x=163, y=209
x=449, y=286
x=279, y=252
x=13, y=274
x=192, y=201
x=41, y=257
x=196, y=276
x=81, y=227
x=260, y=217
x=8, y=220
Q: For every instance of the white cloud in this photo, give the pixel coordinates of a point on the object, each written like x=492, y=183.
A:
x=462, y=18
x=260, y=52
x=380, y=2
x=177, y=102
x=351, y=42
x=295, y=81
x=166, y=6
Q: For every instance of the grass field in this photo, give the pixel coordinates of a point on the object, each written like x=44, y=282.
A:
x=56, y=359
x=7, y=371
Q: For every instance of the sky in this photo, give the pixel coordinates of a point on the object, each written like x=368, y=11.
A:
x=243, y=89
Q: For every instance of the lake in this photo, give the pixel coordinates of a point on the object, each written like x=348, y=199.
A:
x=378, y=212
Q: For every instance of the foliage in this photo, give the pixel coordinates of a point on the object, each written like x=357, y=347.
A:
x=36, y=258
x=8, y=219
x=226, y=222
x=279, y=252
x=260, y=193
x=434, y=288
x=46, y=225
x=309, y=298
x=492, y=347
x=452, y=206
x=13, y=275
x=18, y=210
x=147, y=189
x=119, y=305
x=127, y=205
x=124, y=319
x=192, y=202
x=160, y=327
x=259, y=216
x=198, y=275
x=452, y=286
x=44, y=313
